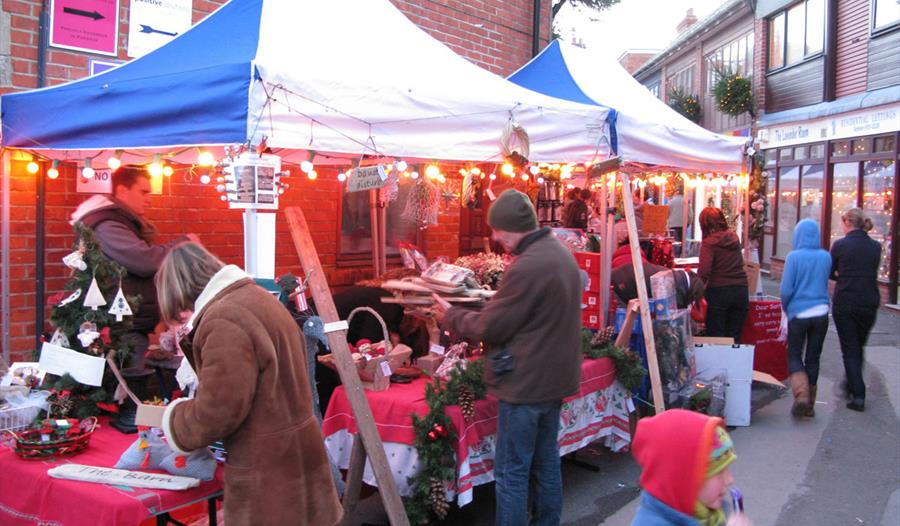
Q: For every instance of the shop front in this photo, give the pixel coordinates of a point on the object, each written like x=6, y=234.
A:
x=819, y=168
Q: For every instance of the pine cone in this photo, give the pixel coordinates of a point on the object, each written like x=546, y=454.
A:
x=603, y=336
x=438, y=499
x=467, y=404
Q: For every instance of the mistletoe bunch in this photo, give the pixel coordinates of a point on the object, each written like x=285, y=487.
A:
x=435, y=437
x=733, y=92
x=686, y=104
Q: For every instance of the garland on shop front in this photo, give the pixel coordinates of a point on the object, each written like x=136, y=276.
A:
x=685, y=104
x=630, y=372
x=435, y=438
x=733, y=92
x=758, y=202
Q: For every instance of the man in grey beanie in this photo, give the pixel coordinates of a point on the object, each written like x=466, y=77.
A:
x=532, y=330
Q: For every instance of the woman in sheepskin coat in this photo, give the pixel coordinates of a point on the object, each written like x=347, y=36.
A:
x=253, y=393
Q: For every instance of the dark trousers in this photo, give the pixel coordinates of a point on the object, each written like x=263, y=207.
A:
x=810, y=331
x=853, y=325
x=726, y=310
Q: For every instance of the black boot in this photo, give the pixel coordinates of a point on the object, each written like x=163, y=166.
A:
x=136, y=379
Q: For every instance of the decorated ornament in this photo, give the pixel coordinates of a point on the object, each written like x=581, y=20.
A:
x=59, y=338
x=469, y=194
x=467, y=404
x=120, y=305
x=72, y=297
x=94, y=297
x=438, y=499
x=603, y=336
x=422, y=205
x=75, y=261
x=87, y=333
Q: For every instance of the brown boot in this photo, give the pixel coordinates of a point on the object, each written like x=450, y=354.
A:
x=800, y=388
x=811, y=409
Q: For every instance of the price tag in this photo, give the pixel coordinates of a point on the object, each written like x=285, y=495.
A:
x=386, y=368
x=45, y=438
x=437, y=349
x=62, y=423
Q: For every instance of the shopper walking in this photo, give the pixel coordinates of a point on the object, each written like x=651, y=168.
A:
x=804, y=298
x=253, y=393
x=854, y=265
x=722, y=269
x=532, y=327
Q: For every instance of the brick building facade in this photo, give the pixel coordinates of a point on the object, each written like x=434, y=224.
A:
x=494, y=34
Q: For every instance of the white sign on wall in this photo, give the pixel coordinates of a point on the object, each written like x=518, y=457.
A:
x=152, y=23
x=367, y=178
x=101, y=183
x=884, y=119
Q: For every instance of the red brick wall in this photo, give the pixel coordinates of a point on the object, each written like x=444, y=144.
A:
x=760, y=48
x=632, y=61
x=493, y=34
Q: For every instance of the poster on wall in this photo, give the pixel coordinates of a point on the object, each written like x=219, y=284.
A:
x=85, y=25
x=100, y=183
x=152, y=23
x=251, y=181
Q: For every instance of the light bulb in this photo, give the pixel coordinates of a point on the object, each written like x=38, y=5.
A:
x=525, y=177
x=401, y=165
x=280, y=191
x=113, y=163
x=534, y=170
x=33, y=167
x=493, y=176
x=540, y=180
x=220, y=188
x=432, y=171
x=507, y=169
x=206, y=159
x=441, y=179
x=223, y=197
x=342, y=177
x=87, y=172
x=476, y=171
x=204, y=179
x=414, y=175
x=53, y=172
x=313, y=175
x=155, y=169
x=306, y=167
x=168, y=170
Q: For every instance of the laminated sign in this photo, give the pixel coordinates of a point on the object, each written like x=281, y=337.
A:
x=368, y=178
x=152, y=23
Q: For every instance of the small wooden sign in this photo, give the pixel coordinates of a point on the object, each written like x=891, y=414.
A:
x=656, y=219
x=366, y=178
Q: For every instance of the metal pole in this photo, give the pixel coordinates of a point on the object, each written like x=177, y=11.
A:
x=604, y=290
x=40, y=200
x=4, y=253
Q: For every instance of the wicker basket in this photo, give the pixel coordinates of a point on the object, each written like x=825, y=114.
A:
x=30, y=447
x=367, y=369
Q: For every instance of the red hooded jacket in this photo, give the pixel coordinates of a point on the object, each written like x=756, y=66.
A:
x=673, y=449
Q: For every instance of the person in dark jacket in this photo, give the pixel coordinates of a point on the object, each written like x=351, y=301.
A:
x=128, y=238
x=854, y=265
x=804, y=297
x=689, y=289
x=532, y=328
x=575, y=214
x=722, y=269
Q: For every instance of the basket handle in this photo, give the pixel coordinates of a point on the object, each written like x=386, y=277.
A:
x=384, y=329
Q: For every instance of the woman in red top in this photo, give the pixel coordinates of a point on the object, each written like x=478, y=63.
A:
x=722, y=270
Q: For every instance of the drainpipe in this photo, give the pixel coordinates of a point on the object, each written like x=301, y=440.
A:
x=536, y=29
x=830, y=88
x=40, y=191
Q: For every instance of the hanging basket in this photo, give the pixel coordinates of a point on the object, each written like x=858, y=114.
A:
x=29, y=445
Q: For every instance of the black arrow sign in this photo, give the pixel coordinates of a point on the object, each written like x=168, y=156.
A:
x=148, y=29
x=78, y=12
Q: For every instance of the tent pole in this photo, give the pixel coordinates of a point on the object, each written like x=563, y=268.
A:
x=40, y=201
x=5, y=167
x=685, y=215
x=375, y=232
x=604, y=278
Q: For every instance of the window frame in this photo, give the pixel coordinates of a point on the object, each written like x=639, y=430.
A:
x=806, y=57
x=746, y=43
x=877, y=31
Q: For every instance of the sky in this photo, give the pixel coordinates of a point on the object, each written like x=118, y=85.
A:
x=631, y=24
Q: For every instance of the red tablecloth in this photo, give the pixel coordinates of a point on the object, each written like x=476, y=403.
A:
x=28, y=496
x=761, y=328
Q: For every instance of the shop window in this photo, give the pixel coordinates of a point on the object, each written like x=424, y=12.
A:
x=786, y=154
x=812, y=193
x=884, y=144
x=817, y=151
x=356, y=227
x=840, y=149
x=770, y=215
x=800, y=153
x=878, y=202
x=886, y=13
x=844, y=195
x=860, y=146
x=771, y=157
x=682, y=80
x=788, y=199
x=796, y=33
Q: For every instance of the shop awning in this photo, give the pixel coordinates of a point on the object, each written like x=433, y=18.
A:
x=648, y=131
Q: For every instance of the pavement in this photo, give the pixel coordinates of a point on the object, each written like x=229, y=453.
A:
x=840, y=468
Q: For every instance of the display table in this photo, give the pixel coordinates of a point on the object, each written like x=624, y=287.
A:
x=761, y=329
x=28, y=496
x=599, y=410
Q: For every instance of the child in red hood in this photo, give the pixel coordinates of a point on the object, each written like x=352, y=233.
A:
x=685, y=458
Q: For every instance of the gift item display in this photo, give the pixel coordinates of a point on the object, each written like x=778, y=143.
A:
x=674, y=351
x=454, y=283
x=59, y=437
x=705, y=393
x=487, y=268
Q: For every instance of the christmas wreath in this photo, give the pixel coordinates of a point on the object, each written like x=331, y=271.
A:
x=733, y=92
x=435, y=437
x=630, y=372
x=685, y=104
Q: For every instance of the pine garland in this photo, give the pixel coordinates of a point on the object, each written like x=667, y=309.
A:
x=685, y=104
x=733, y=92
x=434, y=441
x=630, y=372
x=758, y=200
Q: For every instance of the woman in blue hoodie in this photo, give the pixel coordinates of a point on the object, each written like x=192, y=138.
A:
x=804, y=297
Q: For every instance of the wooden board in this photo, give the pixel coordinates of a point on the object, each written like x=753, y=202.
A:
x=656, y=218
x=646, y=322
x=337, y=340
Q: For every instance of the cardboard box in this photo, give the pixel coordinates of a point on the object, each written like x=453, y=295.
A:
x=149, y=415
x=737, y=361
x=590, y=319
x=591, y=300
x=589, y=261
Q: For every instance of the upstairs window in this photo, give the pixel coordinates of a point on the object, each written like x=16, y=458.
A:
x=735, y=56
x=885, y=13
x=797, y=33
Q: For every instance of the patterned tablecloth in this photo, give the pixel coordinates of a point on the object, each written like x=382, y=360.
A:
x=599, y=411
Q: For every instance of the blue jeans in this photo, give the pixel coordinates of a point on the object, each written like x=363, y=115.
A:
x=809, y=331
x=527, y=444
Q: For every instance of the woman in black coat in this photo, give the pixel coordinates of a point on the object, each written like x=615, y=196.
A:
x=854, y=265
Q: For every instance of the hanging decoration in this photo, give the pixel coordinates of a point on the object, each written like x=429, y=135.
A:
x=470, y=188
x=733, y=92
x=59, y=338
x=515, y=144
x=88, y=333
x=120, y=305
x=75, y=260
x=685, y=104
x=423, y=203
x=94, y=298
x=434, y=441
x=757, y=198
x=70, y=298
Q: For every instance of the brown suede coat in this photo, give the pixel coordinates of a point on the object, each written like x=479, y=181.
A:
x=254, y=394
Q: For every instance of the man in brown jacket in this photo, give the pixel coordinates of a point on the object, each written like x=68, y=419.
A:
x=532, y=328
